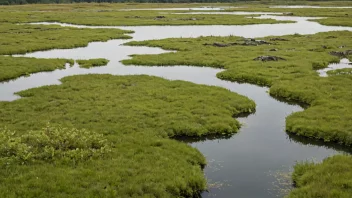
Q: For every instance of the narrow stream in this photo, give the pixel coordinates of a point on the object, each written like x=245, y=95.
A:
x=246, y=164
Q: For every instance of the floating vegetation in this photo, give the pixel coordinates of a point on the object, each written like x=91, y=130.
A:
x=92, y=62
x=282, y=184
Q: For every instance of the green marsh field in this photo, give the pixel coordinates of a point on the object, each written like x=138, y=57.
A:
x=115, y=100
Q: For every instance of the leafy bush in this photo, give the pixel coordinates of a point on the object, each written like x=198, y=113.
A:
x=50, y=144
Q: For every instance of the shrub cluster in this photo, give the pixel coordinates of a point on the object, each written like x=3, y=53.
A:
x=51, y=144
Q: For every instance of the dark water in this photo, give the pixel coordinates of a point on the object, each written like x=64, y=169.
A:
x=244, y=165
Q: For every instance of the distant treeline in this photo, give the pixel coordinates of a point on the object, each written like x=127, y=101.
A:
x=10, y=2
x=13, y=2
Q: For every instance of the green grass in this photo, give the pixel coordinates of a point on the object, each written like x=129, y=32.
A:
x=128, y=18
x=345, y=71
x=336, y=21
x=129, y=105
x=329, y=179
x=137, y=166
x=92, y=62
x=331, y=16
x=20, y=39
x=329, y=114
x=51, y=145
x=136, y=115
x=13, y=67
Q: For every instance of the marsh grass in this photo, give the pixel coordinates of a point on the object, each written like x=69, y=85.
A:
x=331, y=16
x=166, y=107
x=295, y=79
x=13, y=67
x=51, y=144
x=136, y=115
x=92, y=62
x=345, y=71
x=111, y=17
x=20, y=39
x=330, y=178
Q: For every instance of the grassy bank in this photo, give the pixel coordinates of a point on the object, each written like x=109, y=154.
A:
x=20, y=39
x=11, y=67
x=294, y=78
x=135, y=114
x=331, y=178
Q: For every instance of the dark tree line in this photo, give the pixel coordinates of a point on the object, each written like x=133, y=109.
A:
x=14, y=2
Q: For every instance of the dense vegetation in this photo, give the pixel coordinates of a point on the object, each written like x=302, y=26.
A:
x=330, y=16
x=105, y=16
x=329, y=179
x=51, y=145
x=11, y=67
x=20, y=39
x=345, y=71
x=92, y=62
x=329, y=114
x=135, y=114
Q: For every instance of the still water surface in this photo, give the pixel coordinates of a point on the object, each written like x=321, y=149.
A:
x=244, y=165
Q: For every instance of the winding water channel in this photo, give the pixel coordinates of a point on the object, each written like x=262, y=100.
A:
x=243, y=165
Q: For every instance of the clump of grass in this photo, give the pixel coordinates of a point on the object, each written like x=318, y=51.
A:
x=13, y=67
x=51, y=144
x=92, y=62
x=327, y=118
x=331, y=178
